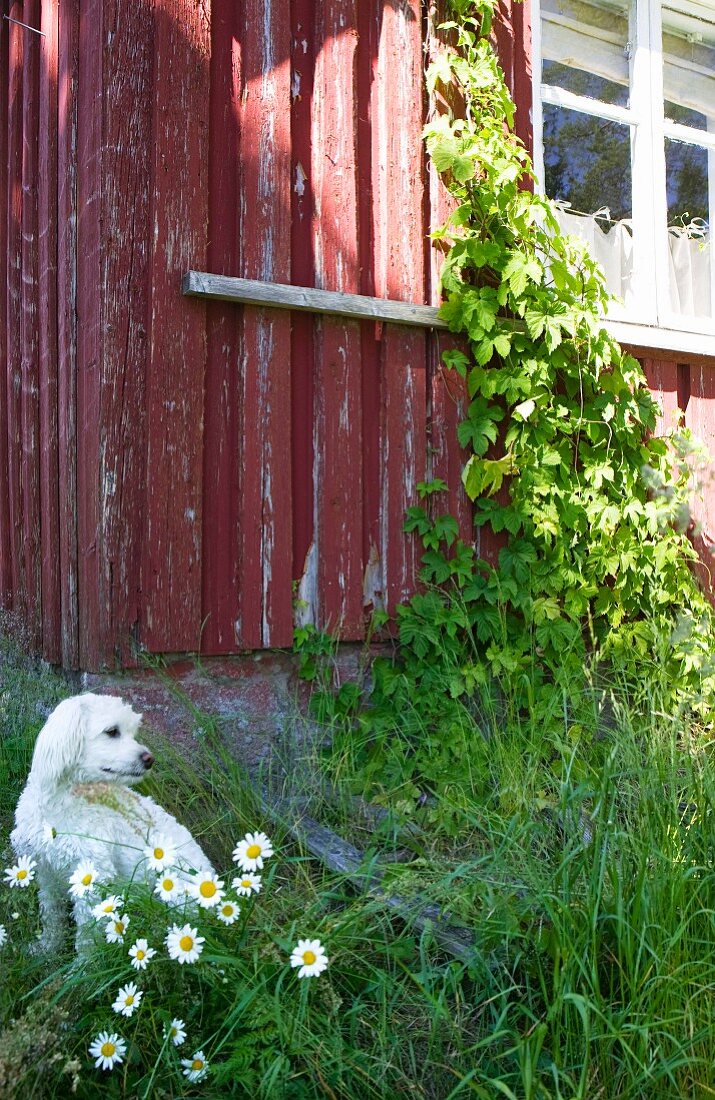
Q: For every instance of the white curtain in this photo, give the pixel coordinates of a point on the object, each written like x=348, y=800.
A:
x=612, y=246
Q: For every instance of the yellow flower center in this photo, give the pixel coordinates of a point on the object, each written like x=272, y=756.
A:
x=227, y=910
x=246, y=883
x=186, y=943
x=140, y=954
x=129, y=1000
x=207, y=889
x=119, y=927
x=22, y=874
x=108, y=1049
x=308, y=958
x=158, y=853
x=197, y=1064
x=108, y=907
x=86, y=880
x=168, y=884
x=173, y=1033
x=253, y=851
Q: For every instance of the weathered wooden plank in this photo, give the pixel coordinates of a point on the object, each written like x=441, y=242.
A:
x=171, y=560
x=5, y=554
x=662, y=378
x=201, y=284
x=221, y=494
x=512, y=33
x=127, y=142
x=90, y=322
x=265, y=523
x=47, y=333
x=13, y=291
x=66, y=329
x=700, y=418
x=29, y=335
x=398, y=173
x=301, y=264
x=447, y=391
x=338, y=407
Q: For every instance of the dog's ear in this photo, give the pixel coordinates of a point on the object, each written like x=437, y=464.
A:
x=59, y=742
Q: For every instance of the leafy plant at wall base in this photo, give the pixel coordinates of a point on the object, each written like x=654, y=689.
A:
x=563, y=465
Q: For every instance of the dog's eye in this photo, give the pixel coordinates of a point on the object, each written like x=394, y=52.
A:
x=113, y=731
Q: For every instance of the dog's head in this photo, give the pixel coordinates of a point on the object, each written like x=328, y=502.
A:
x=91, y=738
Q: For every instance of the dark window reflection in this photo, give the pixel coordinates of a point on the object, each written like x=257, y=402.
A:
x=686, y=169
x=587, y=161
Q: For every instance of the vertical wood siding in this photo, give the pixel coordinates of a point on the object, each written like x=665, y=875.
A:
x=174, y=474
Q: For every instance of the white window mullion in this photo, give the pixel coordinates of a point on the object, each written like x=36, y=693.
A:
x=537, y=114
x=645, y=166
x=658, y=190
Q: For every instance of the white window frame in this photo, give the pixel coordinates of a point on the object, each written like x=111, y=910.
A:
x=651, y=323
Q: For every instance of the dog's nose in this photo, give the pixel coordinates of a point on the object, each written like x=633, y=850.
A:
x=147, y=759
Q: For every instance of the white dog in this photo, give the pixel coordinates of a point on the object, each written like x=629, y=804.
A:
x=85, y=757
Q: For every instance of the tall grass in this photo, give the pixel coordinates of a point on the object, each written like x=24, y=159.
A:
x=583, y=868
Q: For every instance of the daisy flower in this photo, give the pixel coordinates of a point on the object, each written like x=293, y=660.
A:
x=176, y=1031
x=3, y=935
x=48, y=833
x=196, y=1067
x=206, y=889
x=140, y=953
x=127, y=999
x=22, y=873
x=247, y=884
x=310, y=956
x=160, y=853
x=168, y=887
x=250, y=852
x=83, y=879
x=228, y=911
x=109, y=908
x=184, y=944
x=108, y=1050
x=116, y=928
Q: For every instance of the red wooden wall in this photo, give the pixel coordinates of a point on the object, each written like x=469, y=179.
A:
x=173, y=473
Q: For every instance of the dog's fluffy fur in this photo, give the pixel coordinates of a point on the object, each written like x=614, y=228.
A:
x=85, y=759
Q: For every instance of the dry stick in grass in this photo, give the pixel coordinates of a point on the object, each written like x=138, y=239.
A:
x=341, y=856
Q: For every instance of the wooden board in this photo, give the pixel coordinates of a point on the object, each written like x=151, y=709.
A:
x=47, y=333
x=265, y=525
x=13, y=291
x=172, y=535
x=6, y=579
x=126, y=218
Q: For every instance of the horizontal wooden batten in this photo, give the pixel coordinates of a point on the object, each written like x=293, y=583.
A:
x=200, y=284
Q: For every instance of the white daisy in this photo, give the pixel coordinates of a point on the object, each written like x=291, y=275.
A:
x=228, y=911
x=109, y=908
x=108, y=1050
x=83, y=880
x=206, y=889
x=176, y=1031
x=196, y=1067
x=184, y=944
x=48, y=833
x=250, y=852
x=310, y=956
x=140, y=954
x=247, y=884
x=21, y=873
x=160, y=853
x=169, y=887
x=116, y=928
x=3, y=935
x=127, y=1000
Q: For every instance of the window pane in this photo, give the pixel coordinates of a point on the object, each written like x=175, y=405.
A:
x=584, y=48
x=688, y=171
x=689, y=64
x=587, y=164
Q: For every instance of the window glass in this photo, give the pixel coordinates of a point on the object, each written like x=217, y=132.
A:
x=587, y=162
x=585, y=48
x=687, y=174
x=689, y=64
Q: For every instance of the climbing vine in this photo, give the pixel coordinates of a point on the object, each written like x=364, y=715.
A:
x=562, y=462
